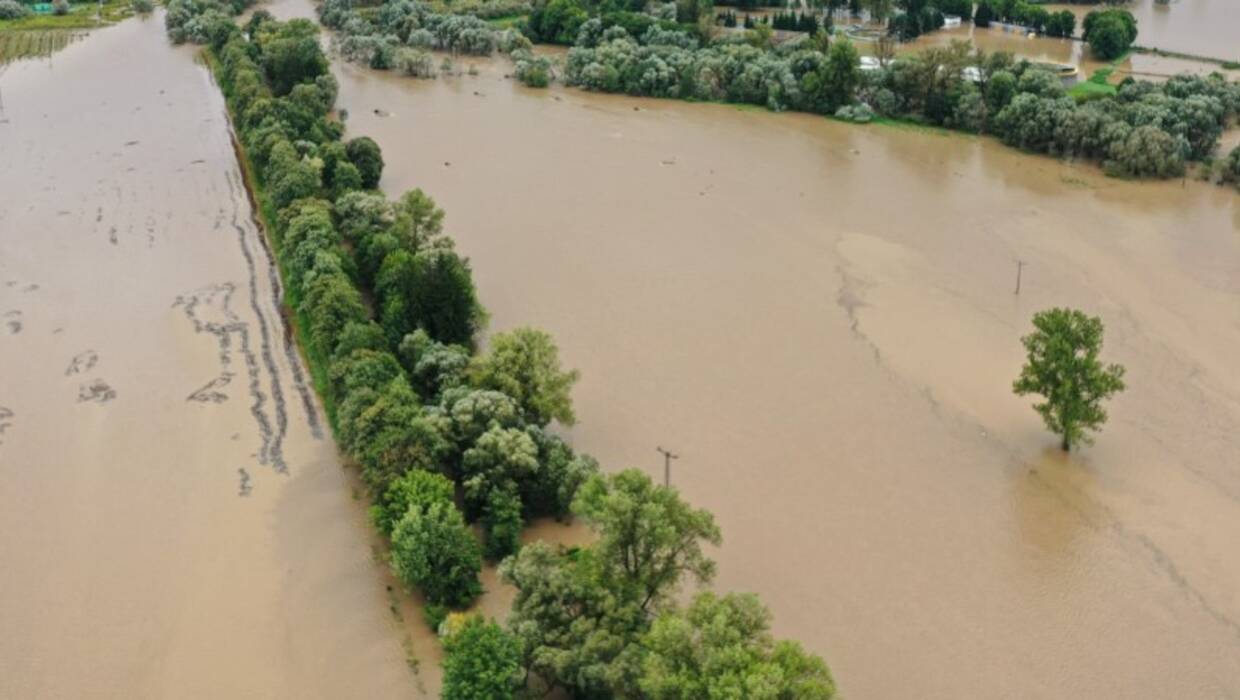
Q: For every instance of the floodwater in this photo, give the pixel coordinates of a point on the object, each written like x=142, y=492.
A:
x=1196, y=27
x=820, y=319
x=174, y=522
x=1066, y=51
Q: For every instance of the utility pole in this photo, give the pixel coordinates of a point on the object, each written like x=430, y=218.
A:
x=667, y=465
x=1020, y=265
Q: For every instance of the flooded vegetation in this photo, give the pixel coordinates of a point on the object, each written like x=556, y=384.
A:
x=835, y=371
x=170, y=506
x=822, y=320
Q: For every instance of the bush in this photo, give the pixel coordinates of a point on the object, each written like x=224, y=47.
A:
x=481, y=660
x=364, y=153
x=1231, y=167
x=142, y=7
x=1110, y=33
x=434, y=551
x=11, y=9
x=414, y=62
x=858, y=114
x=534, y=71
x=60, y=7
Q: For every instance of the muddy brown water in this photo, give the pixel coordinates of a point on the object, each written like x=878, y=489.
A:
x=820, y=318
x=1194, y=27
x=173, y=520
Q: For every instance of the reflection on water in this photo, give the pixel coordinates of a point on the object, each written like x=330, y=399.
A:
x=820, y=319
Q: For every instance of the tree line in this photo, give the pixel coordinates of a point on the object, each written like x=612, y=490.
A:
x=445, y=436
x=1146, y=129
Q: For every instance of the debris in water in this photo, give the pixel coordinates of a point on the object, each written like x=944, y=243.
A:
x=82, y=362
x=246, y=487
x=97, y=391
x=14, y=321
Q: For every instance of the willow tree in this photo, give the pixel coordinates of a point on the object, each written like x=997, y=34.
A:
x=1064, y=368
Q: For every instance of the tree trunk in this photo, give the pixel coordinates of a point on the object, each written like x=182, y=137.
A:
x=1066, y=445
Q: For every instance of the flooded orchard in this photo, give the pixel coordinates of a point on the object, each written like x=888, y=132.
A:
x=173, y=518
x=820, y=319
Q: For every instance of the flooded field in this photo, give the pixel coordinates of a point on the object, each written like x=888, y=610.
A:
x=173, y=518
x=820, y=318
x=1066, y=51
x=1196, y=27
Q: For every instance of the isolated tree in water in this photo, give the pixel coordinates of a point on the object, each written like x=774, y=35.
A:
x=1063, y=367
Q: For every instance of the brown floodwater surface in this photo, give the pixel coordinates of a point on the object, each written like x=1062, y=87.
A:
x=1208, y=28
x=174, y=522
x=820, y=319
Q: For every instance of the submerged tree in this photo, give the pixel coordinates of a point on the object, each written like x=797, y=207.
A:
x=1063, y=367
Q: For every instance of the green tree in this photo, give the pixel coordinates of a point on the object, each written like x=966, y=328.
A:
x=723, y=648
x=500, y=459
x=434, y=551
x=481, y=662
x=525, y=364
x=501, y=523
x=574, y=632
x=418, y=489
x=648, y=538
x=1063, y=367
x=842, y=74
x=1110, y=33
x=293, y=57
x=364, y=153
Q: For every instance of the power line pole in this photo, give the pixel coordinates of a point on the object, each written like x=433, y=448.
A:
x=667, y=465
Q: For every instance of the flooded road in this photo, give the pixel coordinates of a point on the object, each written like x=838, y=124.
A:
x=820, y=319
x=173, y=518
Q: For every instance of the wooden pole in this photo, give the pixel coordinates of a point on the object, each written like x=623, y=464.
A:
x=667, y=465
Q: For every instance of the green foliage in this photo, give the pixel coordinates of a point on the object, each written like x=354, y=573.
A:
x=291, y=55
x=722, y=648
x=501, y=524
x=525, y=364
x=481, y=662
x=1064, y=368
x=1110, y=32
x=365, y=155
x=648, y=538
x=1231, y=167
x=434, y=551
x=418, y=489
x=499, y=460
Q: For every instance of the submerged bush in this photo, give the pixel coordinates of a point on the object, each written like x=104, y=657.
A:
x=415, y=62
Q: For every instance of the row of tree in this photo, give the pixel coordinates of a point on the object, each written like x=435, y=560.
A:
x=1147, y=129
x=388, y=314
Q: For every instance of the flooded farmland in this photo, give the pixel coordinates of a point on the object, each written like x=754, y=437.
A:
x=820, y=318
x=173, y=518
x=1196, y=27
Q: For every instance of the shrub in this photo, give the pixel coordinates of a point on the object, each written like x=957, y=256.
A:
x=364, y=153
x=414, y=62
x=434, y=551
x=142, y=7
x=481, y=660
x=60, y=7
x=11, y=9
